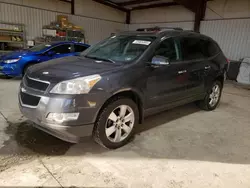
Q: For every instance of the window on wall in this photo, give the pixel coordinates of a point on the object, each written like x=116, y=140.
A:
x=167, y=49
x=62, y=49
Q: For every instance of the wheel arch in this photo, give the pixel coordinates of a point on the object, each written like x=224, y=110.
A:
x=28, y=64
x=131, y=94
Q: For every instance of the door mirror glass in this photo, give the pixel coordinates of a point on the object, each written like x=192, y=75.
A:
x=51, y=53
x=160, y=61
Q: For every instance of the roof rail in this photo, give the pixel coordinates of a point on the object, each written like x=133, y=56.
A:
x=159, y=29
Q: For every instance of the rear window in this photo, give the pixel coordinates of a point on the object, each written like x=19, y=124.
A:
x=197, y=48
x=80, y=48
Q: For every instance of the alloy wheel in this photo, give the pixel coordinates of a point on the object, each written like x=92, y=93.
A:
x=215, y=95
x=120, y=123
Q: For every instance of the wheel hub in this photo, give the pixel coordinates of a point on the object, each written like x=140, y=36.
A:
x=120, y=123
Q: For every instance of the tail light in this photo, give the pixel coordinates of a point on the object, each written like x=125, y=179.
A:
x=228, y=61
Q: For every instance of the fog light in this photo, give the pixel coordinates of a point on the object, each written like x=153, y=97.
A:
x=62, y=117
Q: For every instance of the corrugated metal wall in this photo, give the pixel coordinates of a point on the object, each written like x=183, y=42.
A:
x=184, y=25
x=34, y=19
x=232, y=35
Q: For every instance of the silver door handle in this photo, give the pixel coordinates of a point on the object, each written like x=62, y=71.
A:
x=207, y=67
x=182, y=71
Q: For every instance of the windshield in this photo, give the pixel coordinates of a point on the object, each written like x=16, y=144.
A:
x=119, y=48
x=39, y=47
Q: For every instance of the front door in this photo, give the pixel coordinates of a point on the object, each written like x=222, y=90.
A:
x=167, y=84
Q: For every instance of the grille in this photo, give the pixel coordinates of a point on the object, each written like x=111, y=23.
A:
x=29, y=99
x=35, y=84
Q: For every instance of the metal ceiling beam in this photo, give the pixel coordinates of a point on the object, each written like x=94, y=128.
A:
x=111, y=4
x=200, y=14
x=128, y=17
x=135, y=2
x=73, y=7
x=167, y=4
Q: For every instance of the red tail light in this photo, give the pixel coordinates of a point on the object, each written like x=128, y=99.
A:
x=228, y=60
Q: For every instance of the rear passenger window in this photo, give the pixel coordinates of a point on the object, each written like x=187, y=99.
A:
x=197, y=48
x=212, y=48
x=62, y=49
x=167, y=49
x=192, y=48
x=80, y=48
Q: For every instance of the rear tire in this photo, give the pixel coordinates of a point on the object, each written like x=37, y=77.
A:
x=212, y=98
x=116, y=123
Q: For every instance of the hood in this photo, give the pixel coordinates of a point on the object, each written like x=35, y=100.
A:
x=69, y=68
x=16, y=54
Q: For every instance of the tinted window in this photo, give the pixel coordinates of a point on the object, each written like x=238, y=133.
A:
x=80, y=48
x=167, y=49
x=212, y=48
x=40, y=47
x=193, y=48
x=122, y=48
x=62, y=49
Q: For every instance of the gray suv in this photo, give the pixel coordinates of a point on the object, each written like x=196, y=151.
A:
x=111, y=87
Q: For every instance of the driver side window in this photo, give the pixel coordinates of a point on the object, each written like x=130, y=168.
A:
x=168, y=49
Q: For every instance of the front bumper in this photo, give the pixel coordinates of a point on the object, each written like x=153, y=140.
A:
x=70, y=131
x=12, y=69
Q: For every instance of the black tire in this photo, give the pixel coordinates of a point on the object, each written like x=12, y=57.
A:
x=99, y=134
x=204, y=104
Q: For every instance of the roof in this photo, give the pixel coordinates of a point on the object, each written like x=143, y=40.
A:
x=168, y=32
x=66, y=42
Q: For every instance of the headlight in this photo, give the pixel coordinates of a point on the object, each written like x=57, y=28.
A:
x=76, y=86
x=11, y=60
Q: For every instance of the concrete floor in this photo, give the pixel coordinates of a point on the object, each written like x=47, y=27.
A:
x=183, y=147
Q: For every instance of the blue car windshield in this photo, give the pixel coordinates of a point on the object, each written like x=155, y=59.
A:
x=40, y=47
x=123, y=48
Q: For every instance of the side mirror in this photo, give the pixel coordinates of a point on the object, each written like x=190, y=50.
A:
x=159, y=61
x=51, y=53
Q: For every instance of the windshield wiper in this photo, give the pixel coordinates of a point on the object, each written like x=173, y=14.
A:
x=101, y=59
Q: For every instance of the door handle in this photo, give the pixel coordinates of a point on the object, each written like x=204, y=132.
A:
x=207, y=67
x=182, y=71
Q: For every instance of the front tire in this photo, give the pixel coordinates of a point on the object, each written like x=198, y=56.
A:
x=212, y=98
x=116, y=123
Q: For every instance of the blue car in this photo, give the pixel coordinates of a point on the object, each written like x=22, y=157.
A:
x=16, y=63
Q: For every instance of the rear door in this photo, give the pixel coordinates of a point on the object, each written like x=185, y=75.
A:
x=194, y=57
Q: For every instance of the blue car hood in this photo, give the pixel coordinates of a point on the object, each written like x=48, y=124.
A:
x=17, y=54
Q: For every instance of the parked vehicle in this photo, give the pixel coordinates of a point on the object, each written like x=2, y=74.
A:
x=109, y=89
x=16, y=63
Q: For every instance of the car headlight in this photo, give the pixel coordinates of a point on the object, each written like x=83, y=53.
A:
x=11, y=60
x=76, y=86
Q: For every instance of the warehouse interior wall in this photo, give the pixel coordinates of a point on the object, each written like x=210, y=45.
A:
x=53, y=5
x=226, y=21
x=92, y=9
x=42, y=12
